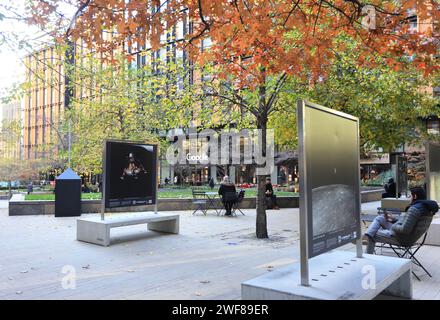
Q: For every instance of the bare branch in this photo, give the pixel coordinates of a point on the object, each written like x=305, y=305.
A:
x=280, y=82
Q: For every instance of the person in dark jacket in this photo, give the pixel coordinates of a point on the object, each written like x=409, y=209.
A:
x=402, y=230
x=271, y=198
x=228, y=194
x=30, y=188
x=211, y=183
x=390, y=189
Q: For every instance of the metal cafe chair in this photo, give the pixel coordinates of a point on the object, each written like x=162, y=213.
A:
x=228, y=196
x=409, y=250
x=200, y=201
x=236, y=205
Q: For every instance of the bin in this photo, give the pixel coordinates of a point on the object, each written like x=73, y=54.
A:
x=68, y=194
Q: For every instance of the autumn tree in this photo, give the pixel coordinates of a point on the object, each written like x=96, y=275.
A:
x=123, y=101
x=389, y=102
x=13, y=170
x=258, y=43
x=10, y=135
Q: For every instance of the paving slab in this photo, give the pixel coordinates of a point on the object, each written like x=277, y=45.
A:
x=208, y=259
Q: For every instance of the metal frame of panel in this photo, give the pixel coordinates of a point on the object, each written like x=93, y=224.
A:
x=305, y=210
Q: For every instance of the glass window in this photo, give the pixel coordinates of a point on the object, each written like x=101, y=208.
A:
x=206, y=43
x=179, y=30
x=433, y=126
x=412, y=21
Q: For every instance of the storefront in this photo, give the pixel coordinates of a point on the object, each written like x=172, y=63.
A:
x=375, y=168
x=285, y=173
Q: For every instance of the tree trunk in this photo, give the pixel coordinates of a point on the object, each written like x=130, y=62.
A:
x=261, y=197
x=261, y=223
x=10, y=189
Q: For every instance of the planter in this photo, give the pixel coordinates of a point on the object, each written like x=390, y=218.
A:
x=22, y=207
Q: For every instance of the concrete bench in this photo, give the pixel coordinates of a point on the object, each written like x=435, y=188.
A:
x=393, y=203
x=336, y=275
x=97, y=231
x=433, y=237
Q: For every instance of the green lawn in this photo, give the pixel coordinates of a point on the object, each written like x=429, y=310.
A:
x=179, y=193
x=51, y=196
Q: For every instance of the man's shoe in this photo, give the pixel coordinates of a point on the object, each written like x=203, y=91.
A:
x=365, y=240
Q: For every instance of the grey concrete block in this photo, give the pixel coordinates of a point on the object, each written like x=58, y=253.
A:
x=337, y=275
x=371, y=195
x=97, y=231
x=392, y=203
x=433, y=237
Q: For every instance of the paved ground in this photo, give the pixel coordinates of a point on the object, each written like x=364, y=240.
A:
x=208, y=259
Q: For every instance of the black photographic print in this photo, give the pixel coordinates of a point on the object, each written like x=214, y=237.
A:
x=130, y=174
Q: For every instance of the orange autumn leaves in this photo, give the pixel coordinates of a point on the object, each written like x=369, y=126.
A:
x=254, y=38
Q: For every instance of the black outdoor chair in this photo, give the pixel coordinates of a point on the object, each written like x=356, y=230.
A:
x=200, y=201
x=409, y=248
x=238, y=201
x=228, y=197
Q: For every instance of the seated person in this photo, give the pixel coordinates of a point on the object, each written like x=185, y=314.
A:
x=390, y=189
x=271, y=198
x=211, y=183
x=228, y=194
x=85, y=188
x=30, y=188
x=387, y=227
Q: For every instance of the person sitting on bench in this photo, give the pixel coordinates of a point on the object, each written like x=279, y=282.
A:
x=228, y=194
x=387, y=227
x=271, y=198
x=390, y=189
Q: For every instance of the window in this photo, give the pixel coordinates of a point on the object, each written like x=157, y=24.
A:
x=412, y=22
x=433, y=126
x=206, y=43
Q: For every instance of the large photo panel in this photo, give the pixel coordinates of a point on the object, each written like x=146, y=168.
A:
x=331, y=173
x=130, y=170
x=401, y=175
x=433, y=171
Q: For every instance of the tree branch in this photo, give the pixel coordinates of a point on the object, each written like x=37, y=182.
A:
x=290, y=13
x=75, y=17
x=280, y=82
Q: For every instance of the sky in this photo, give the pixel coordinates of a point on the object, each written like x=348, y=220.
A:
x=12, y=69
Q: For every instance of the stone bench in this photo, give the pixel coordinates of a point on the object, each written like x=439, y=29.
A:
x=433, y=237
x=393, y=203
x=97, y=231
x=336, y=275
